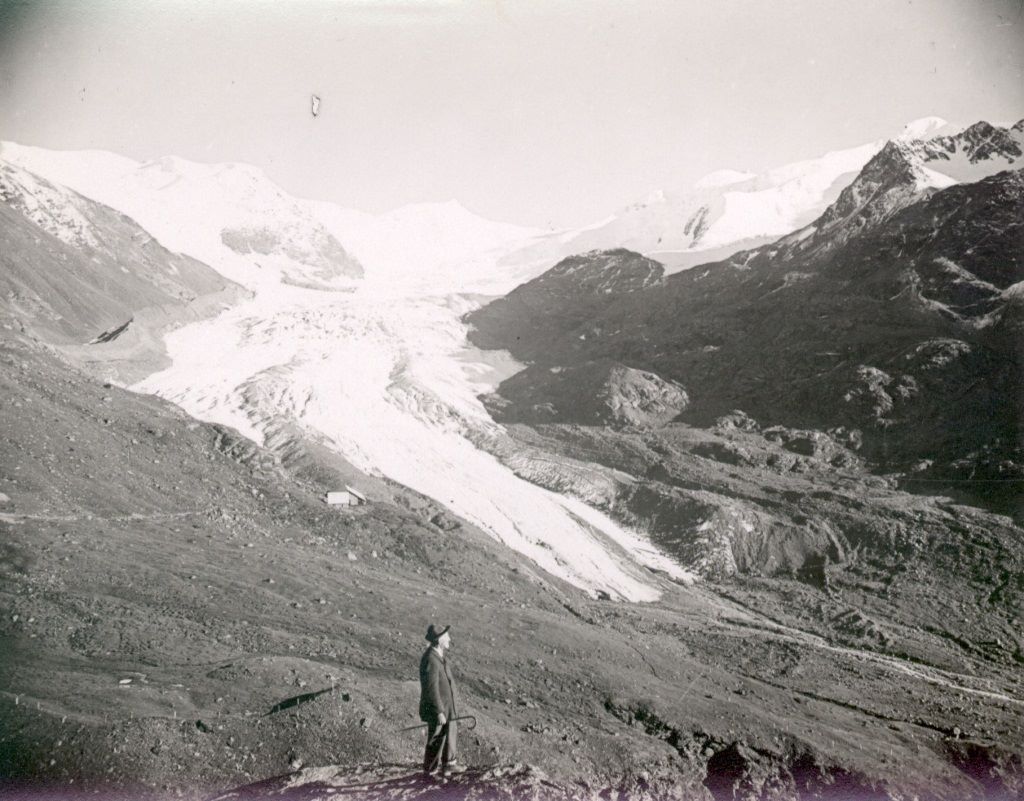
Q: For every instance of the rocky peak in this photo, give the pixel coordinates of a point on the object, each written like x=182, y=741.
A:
x=903, y=172
x=887, y=183
x=978, y=144
x=605, y=272
x=56, y=210
x=985, y=141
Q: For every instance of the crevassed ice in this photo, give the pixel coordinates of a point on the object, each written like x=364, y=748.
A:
x=379, y=375
x=377, y=367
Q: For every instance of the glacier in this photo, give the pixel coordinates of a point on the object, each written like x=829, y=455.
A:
x=377, y=367
x=354, y=327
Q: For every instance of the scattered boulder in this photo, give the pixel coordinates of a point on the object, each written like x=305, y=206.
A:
x=736, y=420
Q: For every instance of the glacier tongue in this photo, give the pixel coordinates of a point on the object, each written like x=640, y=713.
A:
x=375, y=365
x=380, y=374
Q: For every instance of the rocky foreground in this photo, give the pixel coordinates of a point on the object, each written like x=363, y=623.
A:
x=183, y=616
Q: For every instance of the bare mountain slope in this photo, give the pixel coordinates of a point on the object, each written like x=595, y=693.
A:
x=895, y=314
x=85, y=277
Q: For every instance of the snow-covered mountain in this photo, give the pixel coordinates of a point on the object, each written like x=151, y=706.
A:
x=234, y=218
x=729, y=210
x=437, y=246
x=230, y=216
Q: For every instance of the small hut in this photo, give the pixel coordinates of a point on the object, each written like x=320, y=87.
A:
x=349, y=496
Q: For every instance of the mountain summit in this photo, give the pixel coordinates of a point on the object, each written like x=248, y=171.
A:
x=894, y=314
x=730, y=210
x=234, y=218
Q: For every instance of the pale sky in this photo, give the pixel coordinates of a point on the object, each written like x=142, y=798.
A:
x=546, y=113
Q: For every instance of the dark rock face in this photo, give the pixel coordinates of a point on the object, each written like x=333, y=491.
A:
x=905, y=330
x=999, y=772
x=565, y=298
x=598, y=393
x=697, y=225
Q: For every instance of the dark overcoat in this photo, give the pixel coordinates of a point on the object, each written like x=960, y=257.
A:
x=437, y=687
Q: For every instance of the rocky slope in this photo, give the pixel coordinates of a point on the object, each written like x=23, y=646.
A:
x=182, y=615
x=80, y=275
x=603, y=393
x=896, y=314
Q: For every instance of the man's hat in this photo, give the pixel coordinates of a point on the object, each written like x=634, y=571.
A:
x=433, y=634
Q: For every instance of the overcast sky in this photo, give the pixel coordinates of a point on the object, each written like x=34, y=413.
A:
x=544, y=113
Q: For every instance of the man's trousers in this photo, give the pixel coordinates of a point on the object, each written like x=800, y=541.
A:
x=441, y=746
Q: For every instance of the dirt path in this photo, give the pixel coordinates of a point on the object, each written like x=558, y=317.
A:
x=17, y=519
x=936, y=676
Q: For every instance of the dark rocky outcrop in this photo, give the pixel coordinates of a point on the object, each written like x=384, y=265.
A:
x=905, y=329
x=565, y=298
x=597, y=393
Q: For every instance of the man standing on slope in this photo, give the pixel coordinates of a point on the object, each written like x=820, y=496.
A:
x=437, y=704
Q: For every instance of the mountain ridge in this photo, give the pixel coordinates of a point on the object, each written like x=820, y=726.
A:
x=223, y=213
x=891, y=266
x=730, y=211
x=725, y=215
x=88, y=279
